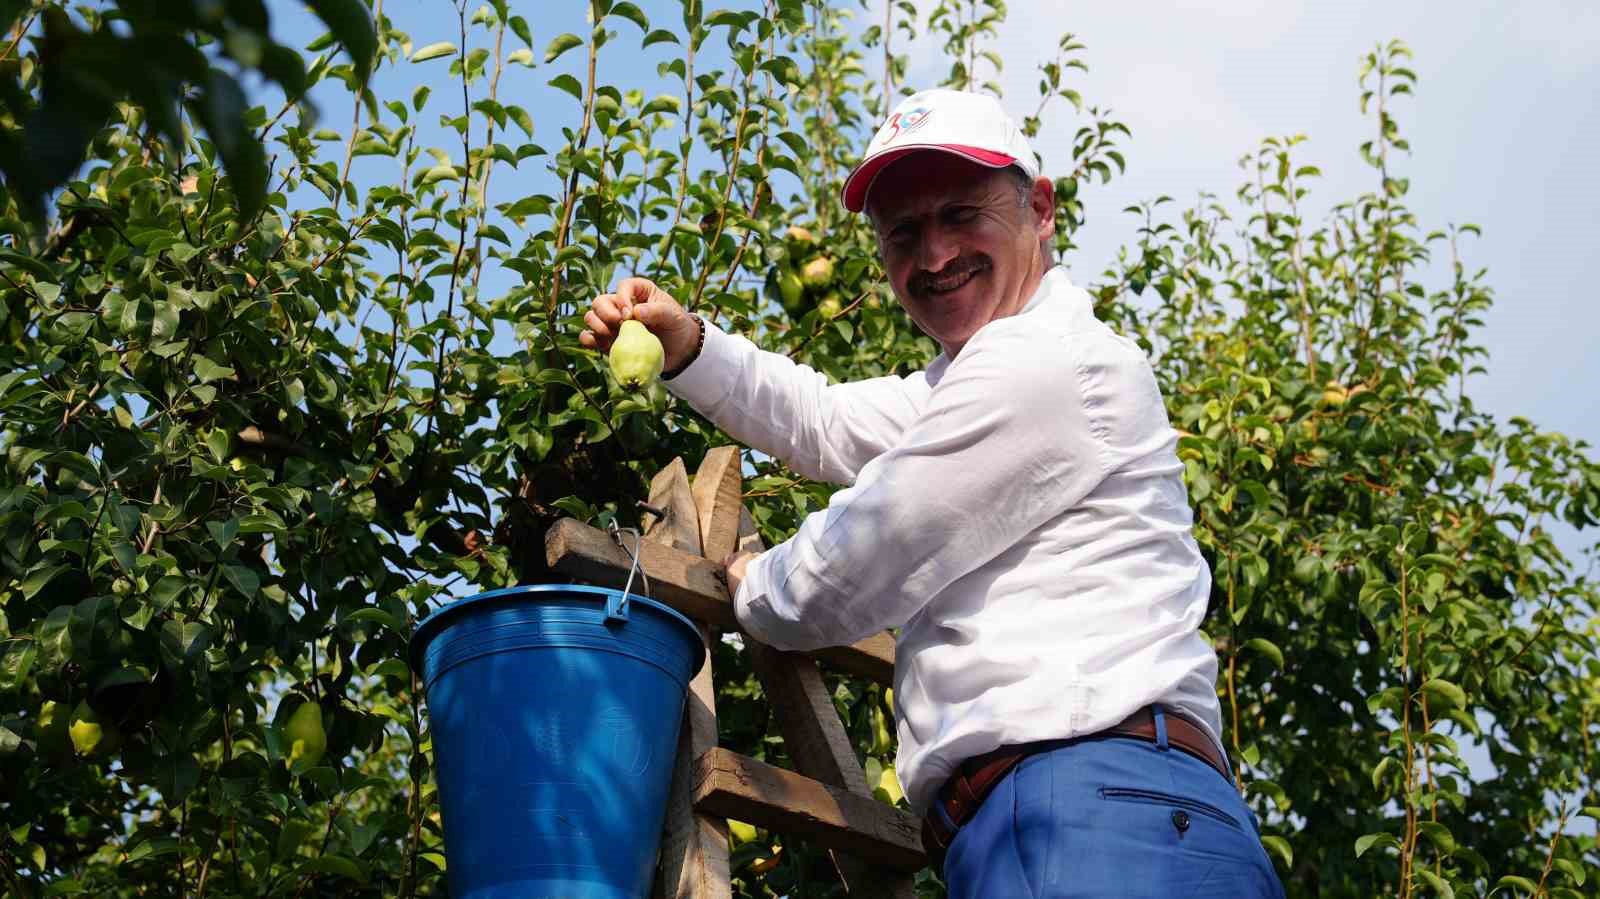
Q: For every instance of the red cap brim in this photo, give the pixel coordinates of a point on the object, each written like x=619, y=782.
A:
x=860, y=180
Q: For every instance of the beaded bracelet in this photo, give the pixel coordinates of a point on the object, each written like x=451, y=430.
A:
x=698, y=346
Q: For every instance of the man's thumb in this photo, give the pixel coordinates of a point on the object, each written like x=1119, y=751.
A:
x=651, y=315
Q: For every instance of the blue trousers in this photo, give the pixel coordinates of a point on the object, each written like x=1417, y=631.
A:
x=1111, y=817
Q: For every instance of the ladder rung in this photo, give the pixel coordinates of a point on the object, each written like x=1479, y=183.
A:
x=691, y=585
x=736, y=786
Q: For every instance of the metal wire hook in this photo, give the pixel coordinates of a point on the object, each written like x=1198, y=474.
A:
x=619, y=609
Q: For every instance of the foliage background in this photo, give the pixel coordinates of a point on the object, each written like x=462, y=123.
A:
x=252, y=432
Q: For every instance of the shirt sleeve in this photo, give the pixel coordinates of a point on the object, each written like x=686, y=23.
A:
x=1016, y=432
x=769, y=402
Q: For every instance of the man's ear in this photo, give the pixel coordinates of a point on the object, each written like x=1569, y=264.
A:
x=1043, y=203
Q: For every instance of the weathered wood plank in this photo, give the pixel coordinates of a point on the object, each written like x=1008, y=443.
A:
x=690, y=585
x=812, y=732
x=694, y=846
x=719, y=495
x=680, y=527
x=817, y=741
x=737, y=786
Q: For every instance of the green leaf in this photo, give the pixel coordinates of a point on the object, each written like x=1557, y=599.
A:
x=568, y=84
x=208, y=370
x=155, y=847
x=33, y=583
x=434, y=51
x=1572, y=869
x=223, y=532
x=1440, y=887
x=560, y=45
x=217, y=442
x=350, y=23
x=1280, y=847
x=337, y=865
x=1516, y=882
x=659, y=36
x=1267, y=648
x=1443, y=695
x=519, y=27
x=378, y=615
x=243, y=579
x=29, y=264
x=632, y=13
x=1439, y=835
x=221, y=108
x=1374, y=839
x=662, y=103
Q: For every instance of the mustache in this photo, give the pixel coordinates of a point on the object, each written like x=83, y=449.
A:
x=923, y=282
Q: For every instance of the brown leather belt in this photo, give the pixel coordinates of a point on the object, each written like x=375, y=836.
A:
x=976, y=777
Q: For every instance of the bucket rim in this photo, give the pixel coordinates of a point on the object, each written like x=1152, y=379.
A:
x=433, y=623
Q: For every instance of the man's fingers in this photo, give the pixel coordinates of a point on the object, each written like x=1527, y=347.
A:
x=633, y=291
x=612, y=309
x=599, y=332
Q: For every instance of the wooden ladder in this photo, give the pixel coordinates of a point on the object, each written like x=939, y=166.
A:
x=876, y=848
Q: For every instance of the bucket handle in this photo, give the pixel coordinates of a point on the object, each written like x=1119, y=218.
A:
x=617, y=606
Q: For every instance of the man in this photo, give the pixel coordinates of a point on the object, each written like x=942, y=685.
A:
x=1018, y=509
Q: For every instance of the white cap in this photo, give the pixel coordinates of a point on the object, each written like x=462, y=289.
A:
x=971, y=125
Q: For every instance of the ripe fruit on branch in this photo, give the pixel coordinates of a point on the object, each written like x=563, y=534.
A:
x=636, y=356
x=1334, y=395
x=307, y=740
x=817, y=272
x=790, y=290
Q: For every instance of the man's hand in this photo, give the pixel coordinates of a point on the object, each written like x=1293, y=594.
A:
x=641, y=300
x=735, y=565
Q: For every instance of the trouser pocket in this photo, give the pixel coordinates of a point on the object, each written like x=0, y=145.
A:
x=1155, y=797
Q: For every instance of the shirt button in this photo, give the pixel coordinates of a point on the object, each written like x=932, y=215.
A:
x=1180, y=820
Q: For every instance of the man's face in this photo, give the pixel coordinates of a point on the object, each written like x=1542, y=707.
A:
x=959, y=246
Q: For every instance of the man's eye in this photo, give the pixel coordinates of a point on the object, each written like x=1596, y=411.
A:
x=960, y=213
x=902, y=233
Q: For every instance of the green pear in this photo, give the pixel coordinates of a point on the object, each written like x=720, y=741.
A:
x=882, y=739
x=636, y=356
x=307, y=739
x=830, y=307
x=817, y=272
x=889, y=783
x=800, y=235
x=790, y=290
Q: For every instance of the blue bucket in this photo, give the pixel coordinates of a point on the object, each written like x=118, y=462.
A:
x=555, y=712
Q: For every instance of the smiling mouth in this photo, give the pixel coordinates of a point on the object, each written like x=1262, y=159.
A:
x=942, y=284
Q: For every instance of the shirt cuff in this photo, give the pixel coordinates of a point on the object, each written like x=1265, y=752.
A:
x=709, y=378
x=752, y=607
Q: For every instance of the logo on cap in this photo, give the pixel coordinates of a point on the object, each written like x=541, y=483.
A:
x=906, y=122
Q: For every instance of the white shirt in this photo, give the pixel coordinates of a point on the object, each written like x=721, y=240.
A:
x=1019, y=512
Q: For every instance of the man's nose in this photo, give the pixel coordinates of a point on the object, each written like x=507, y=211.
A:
x=937, y=249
